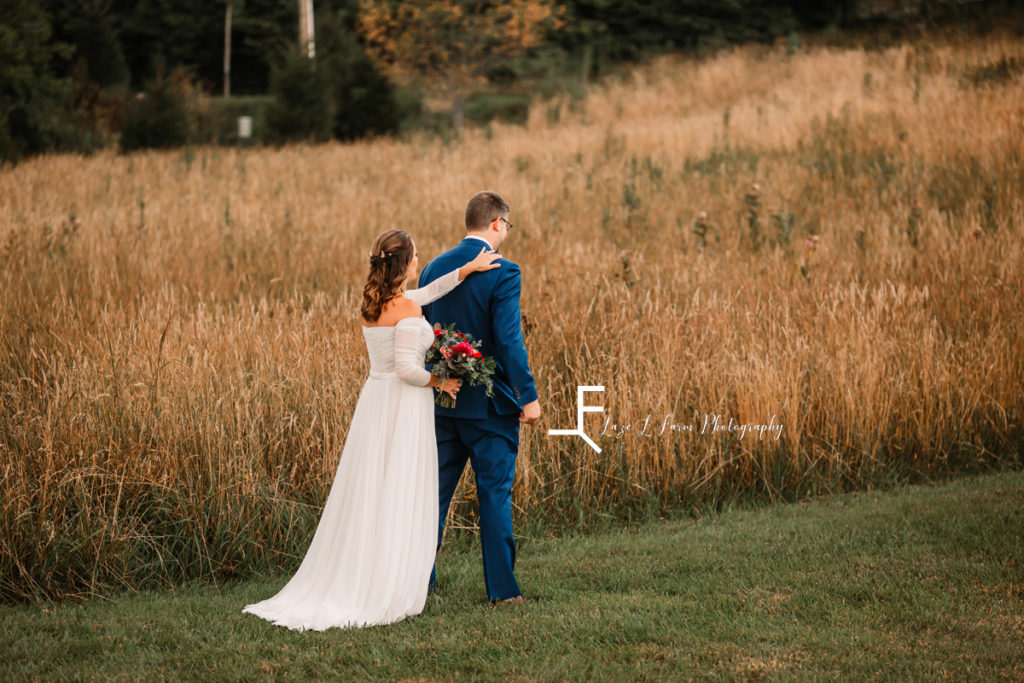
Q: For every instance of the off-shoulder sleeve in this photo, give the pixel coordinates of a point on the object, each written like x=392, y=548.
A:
x=436, y=289
x=408, y=355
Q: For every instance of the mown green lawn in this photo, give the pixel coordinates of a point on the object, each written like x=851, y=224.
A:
x=920, y=583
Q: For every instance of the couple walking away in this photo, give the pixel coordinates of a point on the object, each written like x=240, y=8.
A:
x=371, y=560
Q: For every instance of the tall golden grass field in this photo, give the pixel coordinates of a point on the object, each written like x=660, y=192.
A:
x=826, y=243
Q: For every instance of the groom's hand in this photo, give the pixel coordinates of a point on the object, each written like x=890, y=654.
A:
x=530, y=413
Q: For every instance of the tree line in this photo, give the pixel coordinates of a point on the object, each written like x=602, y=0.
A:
x=79, y=75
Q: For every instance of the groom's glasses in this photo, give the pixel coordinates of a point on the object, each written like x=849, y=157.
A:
x=510, y=226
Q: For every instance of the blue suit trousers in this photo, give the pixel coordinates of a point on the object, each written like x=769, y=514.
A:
x=491, y=446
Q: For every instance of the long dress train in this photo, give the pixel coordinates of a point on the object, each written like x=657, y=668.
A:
x=370, y=558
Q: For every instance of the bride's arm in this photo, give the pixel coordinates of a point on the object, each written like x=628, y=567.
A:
x=449, y=281
x=436, y=289
x=409, y=360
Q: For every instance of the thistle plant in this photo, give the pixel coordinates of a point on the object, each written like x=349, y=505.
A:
x=626, y=257
x=701, y=229
x=752, y=200
x=810, y=246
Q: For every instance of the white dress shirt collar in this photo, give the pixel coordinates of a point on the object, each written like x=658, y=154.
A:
x=482, y=239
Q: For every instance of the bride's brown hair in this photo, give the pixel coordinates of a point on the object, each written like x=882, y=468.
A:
x=390, y=257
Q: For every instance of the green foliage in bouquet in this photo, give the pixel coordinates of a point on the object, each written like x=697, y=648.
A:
x=457, y=355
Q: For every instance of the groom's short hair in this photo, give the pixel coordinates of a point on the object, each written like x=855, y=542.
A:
x=483, y=208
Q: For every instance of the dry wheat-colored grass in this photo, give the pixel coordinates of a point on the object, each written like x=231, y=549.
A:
x=180, y=355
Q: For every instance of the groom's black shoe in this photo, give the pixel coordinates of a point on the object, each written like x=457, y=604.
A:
x=509, y=601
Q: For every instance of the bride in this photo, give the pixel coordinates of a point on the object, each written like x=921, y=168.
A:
x=370, y=558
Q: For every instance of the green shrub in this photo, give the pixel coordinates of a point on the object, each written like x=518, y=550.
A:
x=363, y=100
x=510, y=108
x=998, y=72
x=158, y=118
x=34, y=100
x=299, y=109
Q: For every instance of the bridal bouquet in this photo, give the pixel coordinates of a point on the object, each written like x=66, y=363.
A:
x=456, y=355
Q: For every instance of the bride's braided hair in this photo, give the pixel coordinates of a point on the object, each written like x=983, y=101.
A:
x=390, y=256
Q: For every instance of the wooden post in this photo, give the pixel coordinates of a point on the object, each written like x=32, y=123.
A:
x=309, y=29
x=306, y=28
x=227, y=49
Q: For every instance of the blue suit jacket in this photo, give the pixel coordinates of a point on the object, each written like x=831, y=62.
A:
x=486, y=306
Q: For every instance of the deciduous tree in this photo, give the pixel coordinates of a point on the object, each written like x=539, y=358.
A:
x=448, y=45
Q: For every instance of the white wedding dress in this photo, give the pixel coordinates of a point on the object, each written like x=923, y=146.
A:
x=370, y=558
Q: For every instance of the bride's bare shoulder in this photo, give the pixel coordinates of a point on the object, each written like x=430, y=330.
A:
x=396, y=309
x=404, y=307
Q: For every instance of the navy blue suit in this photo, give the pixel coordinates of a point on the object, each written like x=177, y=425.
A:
x=482, y=429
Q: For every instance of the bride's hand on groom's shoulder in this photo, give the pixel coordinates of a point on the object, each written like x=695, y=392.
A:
x=485, y=260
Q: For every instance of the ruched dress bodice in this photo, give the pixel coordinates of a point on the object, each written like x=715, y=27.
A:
x=398, y=351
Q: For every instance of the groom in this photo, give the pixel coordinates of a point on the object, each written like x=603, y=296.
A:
x=485, y=430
